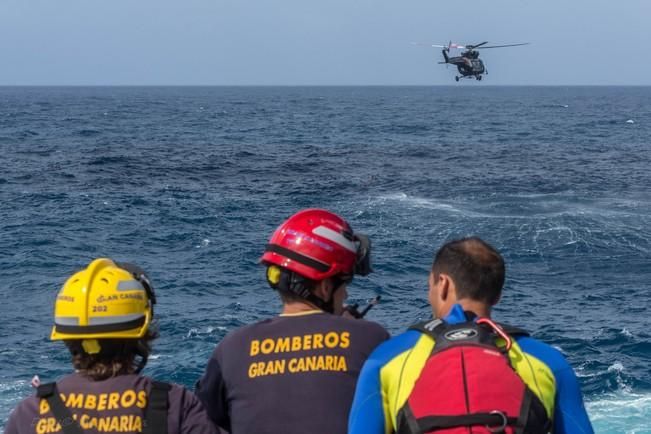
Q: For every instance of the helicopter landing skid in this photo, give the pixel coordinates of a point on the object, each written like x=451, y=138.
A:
x=470, y=77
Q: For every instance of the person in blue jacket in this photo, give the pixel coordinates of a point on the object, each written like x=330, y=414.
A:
x=465, y=281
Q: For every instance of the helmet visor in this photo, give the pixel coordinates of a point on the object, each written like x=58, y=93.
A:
x=363, y=259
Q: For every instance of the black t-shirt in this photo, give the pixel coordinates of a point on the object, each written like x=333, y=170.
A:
x=113, y=405
x=288, y=374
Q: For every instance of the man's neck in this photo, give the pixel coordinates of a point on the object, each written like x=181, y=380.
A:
x=477, y=307
x=296, y=307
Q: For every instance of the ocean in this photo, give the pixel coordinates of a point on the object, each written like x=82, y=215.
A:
x=189, y=182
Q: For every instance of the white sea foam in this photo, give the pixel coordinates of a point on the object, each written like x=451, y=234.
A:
x=194, y=331
x=204, y=243
x=616, y=367
x=540, y=206
x=626, y=332
x=621, y=413
x=429, y=203
x=420, y=202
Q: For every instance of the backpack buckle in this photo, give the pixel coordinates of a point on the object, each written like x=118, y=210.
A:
x=503, y=424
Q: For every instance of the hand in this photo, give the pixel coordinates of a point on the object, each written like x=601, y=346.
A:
x=351, y=311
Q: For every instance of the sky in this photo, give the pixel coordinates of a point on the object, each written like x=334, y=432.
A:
x=325, y=42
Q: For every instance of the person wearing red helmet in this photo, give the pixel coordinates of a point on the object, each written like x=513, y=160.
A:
x=296, y=373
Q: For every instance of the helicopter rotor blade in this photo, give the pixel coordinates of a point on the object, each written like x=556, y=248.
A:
x=420, y=44
x=507, y=45
x=472, y=47
x=446, y=46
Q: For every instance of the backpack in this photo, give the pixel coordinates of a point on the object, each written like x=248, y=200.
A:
x=154, y=422
x=468, y=386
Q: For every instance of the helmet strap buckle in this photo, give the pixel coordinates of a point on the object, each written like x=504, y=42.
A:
x=91, y=346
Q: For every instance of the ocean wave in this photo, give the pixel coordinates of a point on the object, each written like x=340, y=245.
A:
x=421, y=202
x=535, y=206
x=623, y=412
x=193, y=199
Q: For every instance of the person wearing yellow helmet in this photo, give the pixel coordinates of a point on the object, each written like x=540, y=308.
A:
x=104, y=315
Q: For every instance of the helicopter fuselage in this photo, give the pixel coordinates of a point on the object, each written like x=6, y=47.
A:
x=468, y=64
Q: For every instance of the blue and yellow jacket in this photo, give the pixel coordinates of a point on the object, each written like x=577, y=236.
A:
x=391, y=371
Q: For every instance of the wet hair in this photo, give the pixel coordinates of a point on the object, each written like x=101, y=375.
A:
x=117, y=356
x=475, y=266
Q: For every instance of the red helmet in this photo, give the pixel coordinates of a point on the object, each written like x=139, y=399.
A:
x=317, y=244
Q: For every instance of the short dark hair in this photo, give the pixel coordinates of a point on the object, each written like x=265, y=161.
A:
x=475, y=266
x=288, y=297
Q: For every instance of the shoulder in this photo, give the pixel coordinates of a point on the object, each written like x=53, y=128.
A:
x=23, y=414
x=547, y=354
x=179, y=397
x=361, y=330
x=395, y=346
x=239, y=336
x=186, y=412
x=246, y=330
x=363, y=326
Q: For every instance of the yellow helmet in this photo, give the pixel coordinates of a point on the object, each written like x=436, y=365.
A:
x=107, y=300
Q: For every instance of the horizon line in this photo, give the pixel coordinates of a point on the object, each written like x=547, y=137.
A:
x=323, y=85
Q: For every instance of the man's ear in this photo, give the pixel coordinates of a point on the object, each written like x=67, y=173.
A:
x=323, y=289
x=439, y=287
x=444, y=286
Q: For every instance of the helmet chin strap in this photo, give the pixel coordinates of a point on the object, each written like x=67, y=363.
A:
x=141, y=350
x=326, y=306
x=286, y=280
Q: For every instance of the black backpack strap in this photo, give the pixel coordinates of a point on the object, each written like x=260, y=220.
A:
x=156, y=412
x=430, y=327
x=448, y=335
x=533, y=416
x=407, y=422
x=62, y=414
x=494, y=421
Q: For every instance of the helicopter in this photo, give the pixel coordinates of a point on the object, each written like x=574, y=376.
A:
x=468, y=63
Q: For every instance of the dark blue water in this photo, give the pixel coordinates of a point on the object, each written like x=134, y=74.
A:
x=190, y=182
